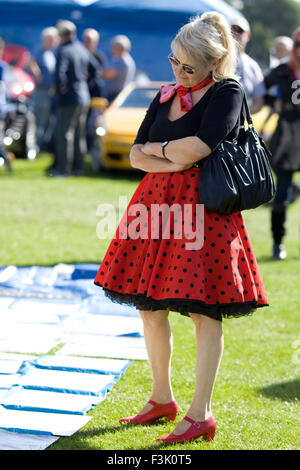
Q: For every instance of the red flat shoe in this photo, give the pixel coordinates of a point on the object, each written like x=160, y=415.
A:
x=207, y=429
x=168, y=410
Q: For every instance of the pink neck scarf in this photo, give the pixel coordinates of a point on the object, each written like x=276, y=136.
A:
x=167, y=91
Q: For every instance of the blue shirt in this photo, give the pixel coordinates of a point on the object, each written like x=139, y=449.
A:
x=46, y=60
x=3, y=66
x=251, y=77
x=125, y=72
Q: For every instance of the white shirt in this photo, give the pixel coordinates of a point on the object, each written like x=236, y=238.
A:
x=251, y=77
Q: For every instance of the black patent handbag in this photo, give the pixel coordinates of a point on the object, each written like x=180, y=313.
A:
x=237, y=175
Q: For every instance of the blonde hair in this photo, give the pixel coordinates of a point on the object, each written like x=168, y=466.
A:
x=91, y=33
x=122, y=41
x=208, y=39
x=51, y=31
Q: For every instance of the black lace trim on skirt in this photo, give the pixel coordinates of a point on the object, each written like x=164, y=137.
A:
x=183, y=306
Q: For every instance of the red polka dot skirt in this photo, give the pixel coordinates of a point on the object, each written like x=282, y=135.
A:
x=167, y=254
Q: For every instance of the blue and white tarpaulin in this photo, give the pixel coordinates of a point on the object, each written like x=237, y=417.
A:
x=19, y=398
x=44, y=394
x=7, y=381
x=66, y=382
x=118, y=347
x=10, y=367
x=22, y=441
x=34, y=422
x=81, y=364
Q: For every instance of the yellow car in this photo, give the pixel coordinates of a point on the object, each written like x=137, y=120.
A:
x=265, y=123
x=118, y=125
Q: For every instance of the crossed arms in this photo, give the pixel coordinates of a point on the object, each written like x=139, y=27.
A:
x=181, y=154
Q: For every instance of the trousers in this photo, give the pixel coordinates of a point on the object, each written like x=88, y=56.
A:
x=70, y=138
x=280, y=203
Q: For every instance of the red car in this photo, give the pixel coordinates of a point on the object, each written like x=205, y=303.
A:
x=20, y=82
x=19, y=121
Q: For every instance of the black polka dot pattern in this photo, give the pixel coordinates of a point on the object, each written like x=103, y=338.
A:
x=161, y=272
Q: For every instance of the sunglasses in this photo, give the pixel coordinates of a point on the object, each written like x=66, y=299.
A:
x=237, y=29
x=297, y=44
x=185, y=68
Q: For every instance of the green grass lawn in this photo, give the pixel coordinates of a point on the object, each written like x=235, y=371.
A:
x=256, y=405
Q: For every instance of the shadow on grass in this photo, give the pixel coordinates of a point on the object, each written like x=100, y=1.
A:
x=286, y=391
x=80, y=441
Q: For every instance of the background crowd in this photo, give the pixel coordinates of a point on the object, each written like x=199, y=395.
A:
x=68, y=72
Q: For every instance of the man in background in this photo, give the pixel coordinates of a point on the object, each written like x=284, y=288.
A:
x=281, y=50
x=121, y=69
x=73, y=99
x=5, y=157
x=43, y=95
x=91, y=40
x=249, y=71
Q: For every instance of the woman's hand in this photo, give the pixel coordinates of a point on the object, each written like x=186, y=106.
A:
x=152, y=148
x=151, y=163
x=186, y=151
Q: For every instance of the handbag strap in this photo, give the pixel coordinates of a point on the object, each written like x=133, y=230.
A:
x=245, y=111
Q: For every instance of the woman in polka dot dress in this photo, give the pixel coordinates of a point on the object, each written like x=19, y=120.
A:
x=169, y=253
